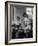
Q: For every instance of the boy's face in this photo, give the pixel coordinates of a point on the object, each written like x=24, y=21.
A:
x=26, y=20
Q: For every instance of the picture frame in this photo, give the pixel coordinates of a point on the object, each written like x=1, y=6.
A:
x=13, y=9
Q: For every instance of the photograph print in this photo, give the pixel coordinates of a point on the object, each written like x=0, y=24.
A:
x=22, y=22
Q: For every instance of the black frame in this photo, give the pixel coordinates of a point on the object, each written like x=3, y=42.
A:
x=6, y=22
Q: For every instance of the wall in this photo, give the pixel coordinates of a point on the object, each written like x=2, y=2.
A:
x=37, y=22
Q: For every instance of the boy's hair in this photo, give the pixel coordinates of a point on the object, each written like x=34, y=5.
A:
x=25, y=15
x=18, y=18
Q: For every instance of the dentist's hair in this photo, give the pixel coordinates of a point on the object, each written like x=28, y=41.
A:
x=25, y=15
